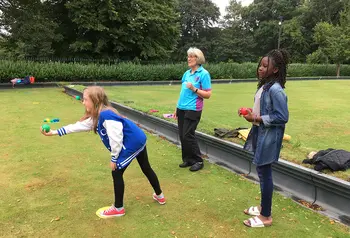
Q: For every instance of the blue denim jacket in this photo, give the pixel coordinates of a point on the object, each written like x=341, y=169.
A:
x=265, y=140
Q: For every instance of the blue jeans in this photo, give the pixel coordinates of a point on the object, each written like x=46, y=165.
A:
x=266, y=188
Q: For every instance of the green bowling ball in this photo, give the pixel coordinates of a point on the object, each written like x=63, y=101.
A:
x=46, y=128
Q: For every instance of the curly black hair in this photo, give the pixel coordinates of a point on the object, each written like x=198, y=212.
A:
x=280, y=60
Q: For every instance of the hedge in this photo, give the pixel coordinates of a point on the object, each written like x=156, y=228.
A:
x=55, y=71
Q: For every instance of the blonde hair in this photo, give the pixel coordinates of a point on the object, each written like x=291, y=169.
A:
x=100, y=102
x=198, y=53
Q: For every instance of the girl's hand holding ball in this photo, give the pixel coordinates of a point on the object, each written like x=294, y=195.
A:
x=248, y=114
x=244, y=111
x=45, y=130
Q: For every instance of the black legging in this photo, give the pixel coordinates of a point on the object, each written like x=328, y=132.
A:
x=118, y=181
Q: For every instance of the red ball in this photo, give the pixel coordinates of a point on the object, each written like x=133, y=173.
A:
x=244, y=111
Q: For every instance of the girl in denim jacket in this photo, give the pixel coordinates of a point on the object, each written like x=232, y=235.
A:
x=269, y=117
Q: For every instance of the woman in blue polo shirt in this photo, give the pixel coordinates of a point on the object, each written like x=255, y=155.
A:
x=196, y=86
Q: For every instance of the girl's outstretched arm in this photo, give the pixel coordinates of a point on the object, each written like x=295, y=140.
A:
x=80, y=126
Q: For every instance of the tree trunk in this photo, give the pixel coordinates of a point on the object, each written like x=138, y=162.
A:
x=338, y=70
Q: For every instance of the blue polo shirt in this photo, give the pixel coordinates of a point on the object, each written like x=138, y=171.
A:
x=188, y=99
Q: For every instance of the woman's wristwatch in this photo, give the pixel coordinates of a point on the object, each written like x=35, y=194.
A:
x=196, y=90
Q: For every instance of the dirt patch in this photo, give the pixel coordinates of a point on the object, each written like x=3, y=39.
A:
x=313, y=206
x=5, y=156
x=35, y=185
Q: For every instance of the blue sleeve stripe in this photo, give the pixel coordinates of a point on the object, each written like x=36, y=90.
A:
x=114, y=159
x=61, y=132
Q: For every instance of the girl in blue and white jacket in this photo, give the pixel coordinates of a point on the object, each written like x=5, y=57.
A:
x=123, y=138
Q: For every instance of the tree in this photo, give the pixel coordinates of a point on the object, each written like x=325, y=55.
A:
x=58, y=13
x=235, y=45
x=293, y=39
x=197, y=22
x=334, y=40
x=236, y=41
x=124, y=28
x=26, y=28
x=316, y=11
x=262, y=18
x=312, y=12
x=317, y=57
x=2, y=50
x=160, y=29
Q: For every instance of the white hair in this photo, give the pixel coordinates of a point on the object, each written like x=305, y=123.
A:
x=198, y=53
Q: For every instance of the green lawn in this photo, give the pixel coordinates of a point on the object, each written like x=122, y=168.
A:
x=52, y=187
x=319, y=112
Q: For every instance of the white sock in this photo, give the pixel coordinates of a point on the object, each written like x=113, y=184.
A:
x=119, y=208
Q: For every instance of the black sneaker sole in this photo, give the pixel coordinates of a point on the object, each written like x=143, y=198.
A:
x=185, y=166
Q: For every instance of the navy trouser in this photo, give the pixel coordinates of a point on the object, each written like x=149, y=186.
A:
x=266, y=188
x=187, y=122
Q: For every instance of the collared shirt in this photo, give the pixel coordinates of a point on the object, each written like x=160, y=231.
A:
x=188, y=99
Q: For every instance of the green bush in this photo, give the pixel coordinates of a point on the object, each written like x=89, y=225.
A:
x=317, y=57
x=68, y=72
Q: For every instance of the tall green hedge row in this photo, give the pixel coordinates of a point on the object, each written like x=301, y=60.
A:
x=46, y=72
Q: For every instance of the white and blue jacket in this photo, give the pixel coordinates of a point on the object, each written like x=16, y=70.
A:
x=123, y=138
